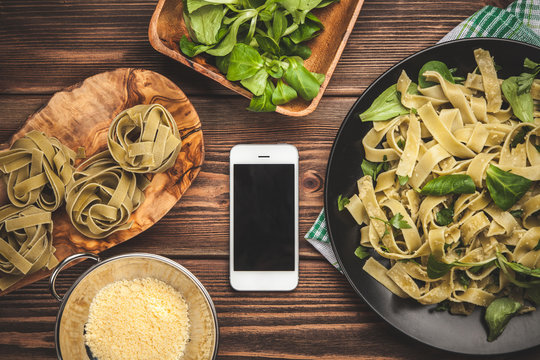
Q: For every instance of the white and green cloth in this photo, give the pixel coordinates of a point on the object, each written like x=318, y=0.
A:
x=519, y=21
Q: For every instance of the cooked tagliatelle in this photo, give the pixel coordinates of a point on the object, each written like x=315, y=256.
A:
x=450, y=193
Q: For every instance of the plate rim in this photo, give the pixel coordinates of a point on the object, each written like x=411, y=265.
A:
x=350, y=115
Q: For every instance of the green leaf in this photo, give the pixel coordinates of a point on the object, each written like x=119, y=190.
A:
x=361, y=252
x=222, y=63
x=504, y=187
x=279, y=24
x=320, y=77
x=244, y=62
x=263, y=103
x=401, y=144
x=397, y=222
x=385, y=107
x=283, y=93
x=449, y=184
x=519, y=138
x=301, y=79
x=521, y=103
x=190, y=48
x=436, y=268
x=267, y=44
x=204, y=23
x=229, y=41
x=308, y=30
x=517, y=213
x=256, y=83
x=498, y=314
x=445, y=216
x=275, y=69
x=373, y=169
x=403, y=179
x=517, y=267
x=325, y=3
x=437, y=66
x=341, y=202
x=443, y=306
x=289, y=48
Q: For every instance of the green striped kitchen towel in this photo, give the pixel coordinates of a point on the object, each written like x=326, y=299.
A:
x=519, y=21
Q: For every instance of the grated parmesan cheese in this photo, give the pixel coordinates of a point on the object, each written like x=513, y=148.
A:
x=140, y=319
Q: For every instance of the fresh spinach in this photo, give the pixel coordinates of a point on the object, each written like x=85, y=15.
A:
x=263, y=103
x=244, y=62
x=437, y=269
x=449, y=184
x=361, y=252
x=204, y=23
x=301, y=79
x=283, y=93
x=342, y=201
x=517, y=91
x=256, y=83
x=504, y=187
x=308, y=30
x=385, y=107
x=437, y=66
x=293, y=49
x=498, y=314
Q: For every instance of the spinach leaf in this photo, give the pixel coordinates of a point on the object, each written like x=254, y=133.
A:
x=449, y=184
x=373, y=169
x=275, y=69
x=398, y=222
x=301, y=79
x=204, y=23
x=190, y=48
x=521, y=103
x=222, y=63
x=504, y=187
x=229, y=41
x=291, y=49
x=445, y=216
x=385, y=107
x=437, y=269
x=267, y=44
x=256, y=83
x=341, y=202
x=319, y=77
x=308, y=30
x=525, y=80
x=283, y=93
x=437, y=66
x=403, y=179
x=263, y=103
x=498, y=314
x=517, y=267
x=244, y=62
x=361, y=252
x=279, y=25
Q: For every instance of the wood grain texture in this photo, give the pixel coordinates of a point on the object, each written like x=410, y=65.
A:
x=80, y=117
x=167, y=27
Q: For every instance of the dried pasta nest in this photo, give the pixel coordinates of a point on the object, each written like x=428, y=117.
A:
x=25, y=243
x=102, y=196
x=37, y=169
x=144, y=139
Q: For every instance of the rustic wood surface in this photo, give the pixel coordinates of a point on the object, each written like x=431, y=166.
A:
x=48, y=45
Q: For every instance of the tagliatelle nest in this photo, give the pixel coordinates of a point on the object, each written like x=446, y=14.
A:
x=25, y=243
x=102, y=196
x=144, y=139
x=37, y=169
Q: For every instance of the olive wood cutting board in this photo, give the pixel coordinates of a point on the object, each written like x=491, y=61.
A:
x=80, y=116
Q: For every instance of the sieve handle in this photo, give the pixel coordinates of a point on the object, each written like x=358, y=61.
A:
x=63, y=263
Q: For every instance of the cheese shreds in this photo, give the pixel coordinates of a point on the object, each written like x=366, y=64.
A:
x=140, y=319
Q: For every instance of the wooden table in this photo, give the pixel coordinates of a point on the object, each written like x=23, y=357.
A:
x=48, y=45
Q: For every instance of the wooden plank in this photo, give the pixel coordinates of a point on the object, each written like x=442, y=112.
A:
x=49, y=45
x=323, y=318
x=198, y=225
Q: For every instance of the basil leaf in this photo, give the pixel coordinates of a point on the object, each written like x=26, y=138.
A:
x=519, y=268
x=204, y=23
x=498, y=314
x=308, y=30
x=301, y=79
x=521, y=103
x=403, y=179
x=398, y=222
x=373, y=169
x=449, y=184
x=267, y=44
x=279, y=25
x=291, y=49
x=341, y=202
x=283, y=93
x=361, y=252
x=385, y=107
x=445, y=216
x=190, y=48
x=437, y=66
x=263, y=103
x=244, y=62
x=256, y=83
x=504, y=187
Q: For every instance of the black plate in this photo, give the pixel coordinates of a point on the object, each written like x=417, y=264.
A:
x=439, y=329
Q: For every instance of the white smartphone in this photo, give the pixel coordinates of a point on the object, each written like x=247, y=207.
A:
x=264, y=217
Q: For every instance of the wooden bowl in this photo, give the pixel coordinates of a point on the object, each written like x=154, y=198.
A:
x=80, y=116
x=167, y=28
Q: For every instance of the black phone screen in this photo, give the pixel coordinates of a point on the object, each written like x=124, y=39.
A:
x=264, y=230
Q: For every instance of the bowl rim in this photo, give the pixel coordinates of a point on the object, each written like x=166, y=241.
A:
x=163, y=259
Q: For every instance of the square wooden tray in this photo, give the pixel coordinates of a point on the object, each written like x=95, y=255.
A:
x=167, y=28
